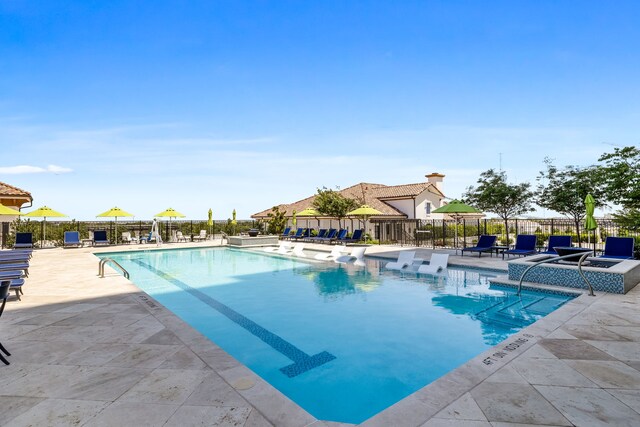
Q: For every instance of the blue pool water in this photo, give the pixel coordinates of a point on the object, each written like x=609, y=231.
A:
x=343, y=342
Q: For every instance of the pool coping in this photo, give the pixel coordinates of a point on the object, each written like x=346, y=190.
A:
x=416, y=409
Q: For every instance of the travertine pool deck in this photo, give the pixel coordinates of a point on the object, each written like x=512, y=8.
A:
x=100, y=352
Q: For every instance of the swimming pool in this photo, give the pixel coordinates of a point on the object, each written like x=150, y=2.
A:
x=343, y=342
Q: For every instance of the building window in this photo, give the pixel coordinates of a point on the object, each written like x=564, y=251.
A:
x=427, y=208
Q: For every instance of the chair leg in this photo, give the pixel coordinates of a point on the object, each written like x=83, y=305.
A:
x=18, y=293
x=5, y=361
x=4, y=350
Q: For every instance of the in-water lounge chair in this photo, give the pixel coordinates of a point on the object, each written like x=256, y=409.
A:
x=282, y=248
x=557, y=242
x=23, y=240
x=437, y=264
x=618, y=248
x=71, y=239
x=100, y=238
x=405, y=259
x=298, y=250
x=356, y=255
x=337, y=251
x=485, y=244
x=525, y=245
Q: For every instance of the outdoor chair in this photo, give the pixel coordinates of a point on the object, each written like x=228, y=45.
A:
x=557, y=242
x=331, y=234
x=4, y=293
x=14, y=256
x=23, y=240
x=15, y=265
x=405, y=259
x=335, y=253
x=201, y=237
x=356, y=255
x=618, y=247
x=127, y=238
x=525, y=245
x=298, y=250
x=485, y=244
x=100, y=238
x=321, y=234
x=342, y=234
x=71, y=239
x=285, y=233
x=298, y=234
x=16, y=281
x=306, y=233
x=355, y=237
x=437, y=264
x=282, y=248
x=180, y=237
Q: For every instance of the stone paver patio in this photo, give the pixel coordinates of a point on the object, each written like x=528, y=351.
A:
x=100, y=352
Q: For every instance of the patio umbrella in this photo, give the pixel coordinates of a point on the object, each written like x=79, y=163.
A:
x=294, y=220
x=170, y=213
x=8, y=211
x=364, y=211
x=115, y=212
x=457, y=210
x=210, y=221
x=590, y=222
x=45, y=212
x=308, y=212
x=233, y=221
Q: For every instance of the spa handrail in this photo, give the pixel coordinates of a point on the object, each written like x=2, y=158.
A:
x=106, y=260
x=544, y=261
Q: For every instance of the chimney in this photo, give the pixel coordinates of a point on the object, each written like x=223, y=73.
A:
x=435, y=178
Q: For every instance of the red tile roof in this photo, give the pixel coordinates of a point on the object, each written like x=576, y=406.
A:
x=11, y=191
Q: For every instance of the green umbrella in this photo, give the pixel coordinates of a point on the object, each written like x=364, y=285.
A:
x=590, y=222
x=233, y=221
x=294, y=220
x=364, y=211
x=310, y=212
x=115, y=212
x=170, y=213
x=457, y=210
x=210, y=221
x=45, y=212
x=8, y=211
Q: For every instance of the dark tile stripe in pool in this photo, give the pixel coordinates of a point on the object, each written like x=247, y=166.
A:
x=302, y=361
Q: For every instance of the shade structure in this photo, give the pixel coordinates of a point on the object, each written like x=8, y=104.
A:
x=364, y=211
x=169, y=213
x=116, y=213
x=457, y=210
x=44, y=213
x=210, y=221
x=589, y=221
x=310, y=212
x=8, y=211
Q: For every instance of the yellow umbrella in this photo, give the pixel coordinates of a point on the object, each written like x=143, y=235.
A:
x=294, y=220
x=115, y=212
x=310, y=212
x=210, y=221
x=45, y=212
x=364, y=211
x=170, y=213
x=8, y=211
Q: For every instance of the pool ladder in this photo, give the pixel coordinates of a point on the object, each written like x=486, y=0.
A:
x=544, y=261
x=102, y=263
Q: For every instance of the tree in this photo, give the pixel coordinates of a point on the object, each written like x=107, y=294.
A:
x=277, y=221
x=331, y=203
x=620, y=176
x=564, y=190
x=494, y=194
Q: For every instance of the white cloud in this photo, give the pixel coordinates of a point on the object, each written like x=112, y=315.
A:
x=25, y=169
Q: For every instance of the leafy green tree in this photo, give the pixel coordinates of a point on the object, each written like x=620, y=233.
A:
x=620, y=176
x=277, y=221
x=564, y=190
x=494, y=194
x=331, y=203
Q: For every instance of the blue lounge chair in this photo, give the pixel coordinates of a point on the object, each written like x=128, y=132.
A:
x=355, y=237
x=16, y=280
x=306, y=232
x=100, y=238
x=322, y=233
x=525, y=245
x=24, y=240
x=285, y=233
x=298, y=234
x=342, y=234
x=4, y=292
x=618, y=247
x=485, y=244
x=557, y=242
x=331, y=234
x=71, y=238
x=15, y=266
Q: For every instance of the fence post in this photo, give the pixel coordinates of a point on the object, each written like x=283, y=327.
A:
x=517, y=227
x=464, y=233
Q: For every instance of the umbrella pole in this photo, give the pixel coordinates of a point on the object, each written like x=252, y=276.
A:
x=44, y=231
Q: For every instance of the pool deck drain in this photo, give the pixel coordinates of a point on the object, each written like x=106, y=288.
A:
x=100, y=352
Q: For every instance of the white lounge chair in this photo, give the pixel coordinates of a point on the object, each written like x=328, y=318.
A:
x=127, y=238
x=356, y=255
x=283, y=248
x=437, y=263
x=405, y=259
x=337, y=251
x=202, y=236
x=180, y=237
x=297, y=250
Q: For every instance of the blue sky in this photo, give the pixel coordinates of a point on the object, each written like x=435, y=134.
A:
x=247, y=104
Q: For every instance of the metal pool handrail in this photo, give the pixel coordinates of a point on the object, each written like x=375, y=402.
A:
x=544, y=261
x=104, y=261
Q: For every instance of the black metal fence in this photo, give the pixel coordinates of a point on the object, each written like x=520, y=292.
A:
x=452, y=234
x=51, y=233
